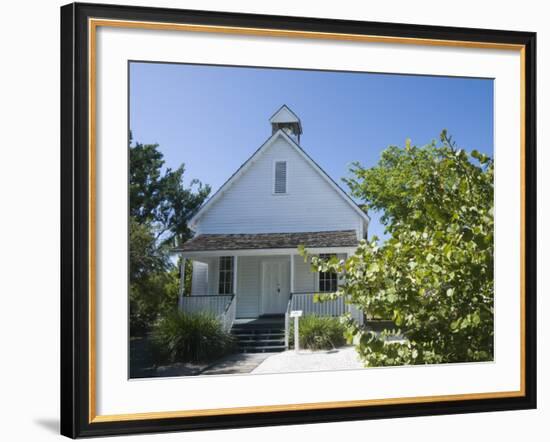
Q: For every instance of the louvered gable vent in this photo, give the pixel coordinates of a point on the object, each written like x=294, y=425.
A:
x=280, y=177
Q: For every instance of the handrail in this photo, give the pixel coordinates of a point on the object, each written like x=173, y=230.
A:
x=287, y=321
x=306, y=293
x=228, y=315
x=229, y=303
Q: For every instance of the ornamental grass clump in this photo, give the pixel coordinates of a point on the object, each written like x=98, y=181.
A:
x=199, y=337
x=319, y=333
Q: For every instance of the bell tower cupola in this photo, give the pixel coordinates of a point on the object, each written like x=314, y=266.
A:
x=286, y=120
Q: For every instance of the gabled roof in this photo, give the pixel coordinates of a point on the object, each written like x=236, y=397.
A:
x=254, y=241
x=248, y=163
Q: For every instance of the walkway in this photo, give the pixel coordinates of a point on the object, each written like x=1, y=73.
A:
x=239, y=363
x=344, y=358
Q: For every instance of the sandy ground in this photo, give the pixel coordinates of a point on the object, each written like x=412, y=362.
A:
x=306, y=360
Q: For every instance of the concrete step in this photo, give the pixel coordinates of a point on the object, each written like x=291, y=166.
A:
x=262, y=349
x=251, y=335
x=260, y=336
x=260, y=342
x=262, y=328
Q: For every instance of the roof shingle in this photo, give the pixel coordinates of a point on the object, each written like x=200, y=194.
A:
x=251, y=241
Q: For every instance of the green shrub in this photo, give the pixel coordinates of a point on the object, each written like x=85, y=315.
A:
x=319, y=333
x=180, y=337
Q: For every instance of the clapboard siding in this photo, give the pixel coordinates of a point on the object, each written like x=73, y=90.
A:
x=213, y=276
x=249, y=205
x=199, y=279
x=304, y=279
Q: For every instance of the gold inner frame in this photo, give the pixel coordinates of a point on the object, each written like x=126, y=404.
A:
x=93, y=24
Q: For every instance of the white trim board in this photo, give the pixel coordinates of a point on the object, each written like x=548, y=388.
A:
x=262, y=252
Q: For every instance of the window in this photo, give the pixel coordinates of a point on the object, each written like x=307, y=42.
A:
x=280, y=177
x=328, y=281
x=225, y=284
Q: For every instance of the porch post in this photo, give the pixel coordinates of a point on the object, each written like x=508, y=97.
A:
x=292, y=273
x=287, y=312
x=182, y=282
x=235, y=259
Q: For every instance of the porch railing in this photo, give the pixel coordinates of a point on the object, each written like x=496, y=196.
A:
x=222, y=307
x=229, y=314
x=305, y=302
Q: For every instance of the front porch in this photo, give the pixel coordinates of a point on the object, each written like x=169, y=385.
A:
x=247, y=288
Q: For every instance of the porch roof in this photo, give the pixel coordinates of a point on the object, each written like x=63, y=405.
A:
x=252, y=241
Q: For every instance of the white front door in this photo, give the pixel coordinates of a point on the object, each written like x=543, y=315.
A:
x=275, y=286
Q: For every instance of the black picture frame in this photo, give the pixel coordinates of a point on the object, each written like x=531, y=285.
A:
x=75, y=220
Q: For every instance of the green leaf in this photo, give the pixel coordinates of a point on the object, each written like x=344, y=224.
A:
x=373, y=268
x=433, y=275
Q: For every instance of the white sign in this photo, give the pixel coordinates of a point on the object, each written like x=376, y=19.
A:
x=296, y=313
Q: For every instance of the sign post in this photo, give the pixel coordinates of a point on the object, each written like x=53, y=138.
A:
x=296, y=314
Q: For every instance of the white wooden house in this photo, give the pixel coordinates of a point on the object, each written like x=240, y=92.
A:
x=245, y=247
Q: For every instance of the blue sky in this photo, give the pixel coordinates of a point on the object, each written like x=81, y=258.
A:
x=212, y=118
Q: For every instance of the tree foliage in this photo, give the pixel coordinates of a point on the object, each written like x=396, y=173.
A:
x=160, y=207
x=433, y=277
x=158, y=196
